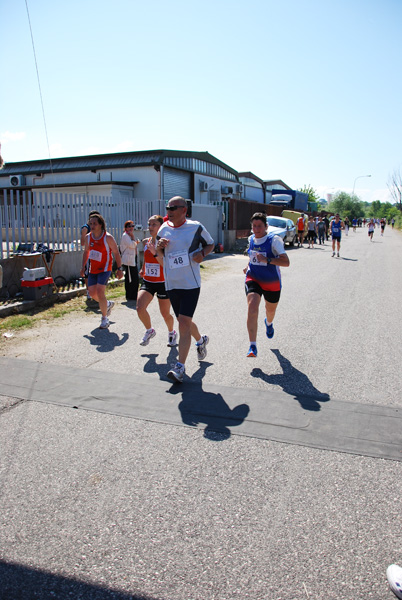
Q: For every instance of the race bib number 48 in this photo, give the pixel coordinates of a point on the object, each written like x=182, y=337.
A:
x=179, y=259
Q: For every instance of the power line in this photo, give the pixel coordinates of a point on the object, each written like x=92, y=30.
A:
x=40, y=91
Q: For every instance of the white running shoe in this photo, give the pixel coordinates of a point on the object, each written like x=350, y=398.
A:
x=104, y=323
x=148, y=335
x=172, y=339
x=394, y=576
x=202, y=348
x=110, y=305
x=177, y=373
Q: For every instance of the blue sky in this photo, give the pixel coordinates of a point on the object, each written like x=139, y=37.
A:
x=309, y=92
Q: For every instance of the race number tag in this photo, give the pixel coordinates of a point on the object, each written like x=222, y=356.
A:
x=152, y=270
x=95, y=255
x=178, y=259
x=254, y=260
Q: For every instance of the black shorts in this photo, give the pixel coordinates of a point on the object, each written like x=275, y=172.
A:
x=153, y=287
x=252, y=287
x=184, y=302
x=311, y=235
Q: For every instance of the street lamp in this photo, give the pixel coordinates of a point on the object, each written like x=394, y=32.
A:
x=353, y=193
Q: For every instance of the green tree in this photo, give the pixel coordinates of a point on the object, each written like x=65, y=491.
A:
x=347, y=206
x=312, y=194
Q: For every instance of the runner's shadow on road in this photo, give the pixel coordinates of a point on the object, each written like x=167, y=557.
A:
x=200, y=407
x=349, y=259
x=106, y=340
x=295, y=383
x=151, y=366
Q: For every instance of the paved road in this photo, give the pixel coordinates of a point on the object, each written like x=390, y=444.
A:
x=152, y=509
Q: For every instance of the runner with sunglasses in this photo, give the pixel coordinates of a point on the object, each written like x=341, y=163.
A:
x=154, y=283
x=183, y=244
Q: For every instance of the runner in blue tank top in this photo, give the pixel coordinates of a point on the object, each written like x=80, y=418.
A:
x=336, y=232
x=263, y=277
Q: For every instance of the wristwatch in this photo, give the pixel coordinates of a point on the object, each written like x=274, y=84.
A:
x=268, y=261
x=119, y=269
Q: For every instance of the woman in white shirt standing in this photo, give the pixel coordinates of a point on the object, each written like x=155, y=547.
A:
x=128, y=251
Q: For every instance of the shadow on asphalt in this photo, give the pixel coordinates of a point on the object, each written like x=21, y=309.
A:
x=106, y=340
x=198, y=406
x=24, y=583
x=295, y=383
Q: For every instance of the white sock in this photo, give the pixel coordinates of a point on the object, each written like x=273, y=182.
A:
x=200, y=341
x=253, y=343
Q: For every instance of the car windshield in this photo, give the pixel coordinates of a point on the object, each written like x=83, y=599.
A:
x=277, y=222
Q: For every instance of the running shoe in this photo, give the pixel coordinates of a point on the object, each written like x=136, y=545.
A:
x=110, y=305
x=333, y=254
x=172, y=339
x=269, y=330
x=148, y=335
x=177, y=372
x=104, y=323
x=394, y=576
x=202, y=348
x=338, y=254
x=252, y=350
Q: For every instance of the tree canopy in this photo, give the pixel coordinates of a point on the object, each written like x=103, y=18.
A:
x=347, y=205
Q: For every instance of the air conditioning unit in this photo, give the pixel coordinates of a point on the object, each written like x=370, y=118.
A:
x=240, y=189
x=17, y=180
x=203, y=186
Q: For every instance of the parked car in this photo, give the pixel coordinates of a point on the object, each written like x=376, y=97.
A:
x=285, y=228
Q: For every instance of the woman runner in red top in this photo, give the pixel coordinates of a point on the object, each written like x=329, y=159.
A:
x=154, y=283
x=100, y=247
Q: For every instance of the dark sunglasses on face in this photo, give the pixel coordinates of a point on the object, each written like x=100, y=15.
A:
x=129, y=226
x=174, y=207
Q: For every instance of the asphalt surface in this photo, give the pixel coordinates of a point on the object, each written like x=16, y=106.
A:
x=97, y=505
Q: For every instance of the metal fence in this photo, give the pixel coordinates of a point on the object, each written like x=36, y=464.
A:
x=55, y=219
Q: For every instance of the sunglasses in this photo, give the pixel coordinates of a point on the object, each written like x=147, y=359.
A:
x=174, y=207
x=129, y=226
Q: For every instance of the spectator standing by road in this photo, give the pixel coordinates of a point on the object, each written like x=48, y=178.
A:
x=321, y=231
x=336, y=232
x=183, y=244
x=326, y=221
x=311, y=232
x=300, y=229
x=263, y=278
x=153, y=282
x=100, y=248
x=128, y=249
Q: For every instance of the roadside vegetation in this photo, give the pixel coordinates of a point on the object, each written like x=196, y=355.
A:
x=42, y=314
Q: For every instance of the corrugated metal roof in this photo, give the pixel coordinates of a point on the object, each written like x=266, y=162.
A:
x=105, y=161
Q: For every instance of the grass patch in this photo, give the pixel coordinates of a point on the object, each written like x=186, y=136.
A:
x=57, y=311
